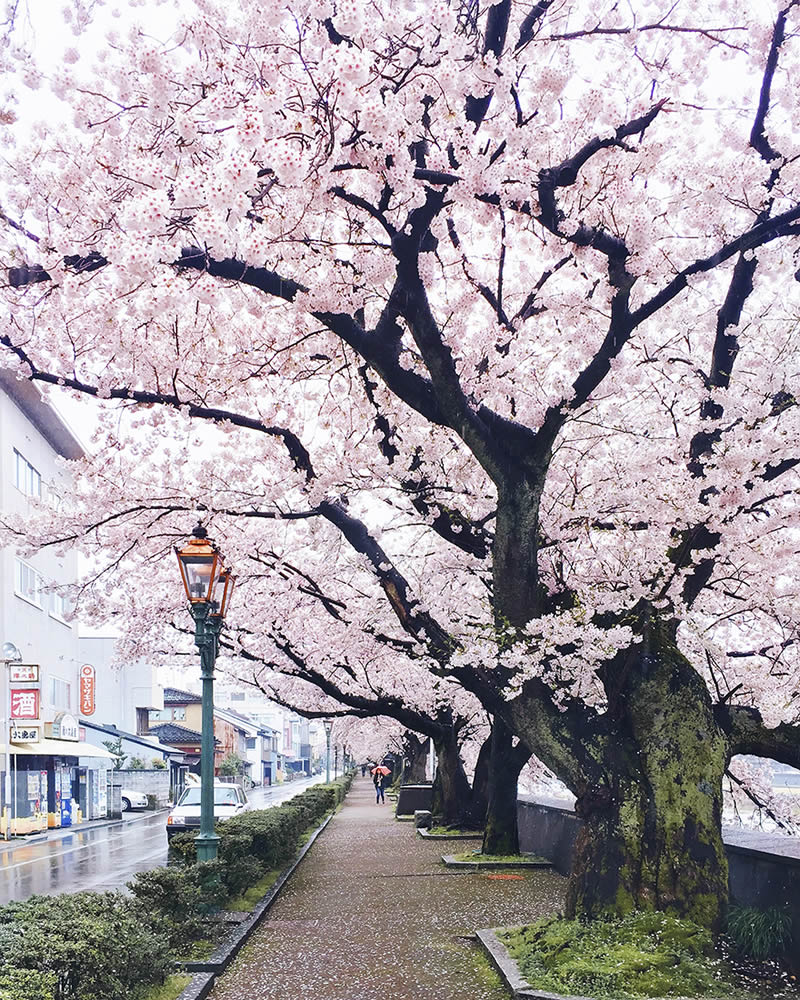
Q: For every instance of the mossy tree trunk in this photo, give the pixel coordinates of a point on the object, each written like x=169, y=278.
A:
x=651, y=836
x=647, y=771
x=501, y=833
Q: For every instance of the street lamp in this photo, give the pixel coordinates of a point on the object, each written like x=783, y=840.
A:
x=208, y=588
x=328, y=724
x=9, y=654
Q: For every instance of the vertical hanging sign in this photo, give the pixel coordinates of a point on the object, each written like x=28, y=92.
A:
x=86, y=692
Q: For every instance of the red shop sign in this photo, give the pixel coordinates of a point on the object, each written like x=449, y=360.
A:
x=86, y=691
x=24, y=703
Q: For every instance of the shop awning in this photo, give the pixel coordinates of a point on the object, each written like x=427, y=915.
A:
x=56, y=748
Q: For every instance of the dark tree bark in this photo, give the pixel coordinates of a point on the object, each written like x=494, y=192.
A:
x=649, y=789
x=475, y=816
x=415, y=750
x=501, y=834
x=451, y=788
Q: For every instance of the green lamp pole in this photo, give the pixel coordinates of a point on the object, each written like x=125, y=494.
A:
x=208, y=587
x=328, y=724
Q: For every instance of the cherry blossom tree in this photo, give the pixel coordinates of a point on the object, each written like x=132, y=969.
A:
x=492, y=310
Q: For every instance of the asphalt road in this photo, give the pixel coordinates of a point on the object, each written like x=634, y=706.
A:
x=102, y=856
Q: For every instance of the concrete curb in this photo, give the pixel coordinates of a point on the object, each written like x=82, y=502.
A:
x=198, y=989
x=405, y=818
x=206, y=970
x=450, y=861
x=520, y=988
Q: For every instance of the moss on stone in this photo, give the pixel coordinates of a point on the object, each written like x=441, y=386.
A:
x=646, y=954
x=496, y=859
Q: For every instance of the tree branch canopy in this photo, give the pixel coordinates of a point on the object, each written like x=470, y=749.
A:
x=513, y=289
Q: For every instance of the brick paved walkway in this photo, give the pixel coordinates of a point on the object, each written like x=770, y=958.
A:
x=371, y=914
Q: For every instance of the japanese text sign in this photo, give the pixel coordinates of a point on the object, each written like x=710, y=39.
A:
x=87, y=689
x=24, y=703
x=23, y=672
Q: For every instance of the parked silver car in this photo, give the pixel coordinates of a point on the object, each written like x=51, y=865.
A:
x=229, y=800
x=133, y=800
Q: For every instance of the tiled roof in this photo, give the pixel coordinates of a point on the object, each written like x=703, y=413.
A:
x=176, y=735
x=174, y=696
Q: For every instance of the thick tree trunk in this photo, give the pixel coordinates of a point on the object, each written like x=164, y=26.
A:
x=475, y=812
x=648, y=771
x=651, y=837
x=451, y=789
x=416, y=756
x=501, y=833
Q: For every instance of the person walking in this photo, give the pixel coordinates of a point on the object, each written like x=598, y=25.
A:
x=378, y=780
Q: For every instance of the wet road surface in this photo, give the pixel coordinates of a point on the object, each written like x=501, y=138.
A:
x=102, y=857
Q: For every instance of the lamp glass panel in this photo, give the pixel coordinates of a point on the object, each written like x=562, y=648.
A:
x=226, y=581
x=200, y=576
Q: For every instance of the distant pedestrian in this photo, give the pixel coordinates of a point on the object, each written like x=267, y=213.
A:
x=363, y=770
x=378, y=781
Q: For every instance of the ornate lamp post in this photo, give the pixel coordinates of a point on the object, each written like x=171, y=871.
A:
x=208, y=588
x=328, y=724
x=9, y=654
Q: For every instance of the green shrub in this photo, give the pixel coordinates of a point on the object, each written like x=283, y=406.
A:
x=94, y=943
x=171, y=899
x=759, y=934
x=105, y=946
x=231, y=765
x=27, y=984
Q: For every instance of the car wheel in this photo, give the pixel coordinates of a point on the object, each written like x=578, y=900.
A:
x=126, y=804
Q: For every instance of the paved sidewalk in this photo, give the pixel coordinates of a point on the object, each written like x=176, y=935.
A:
x=371, y=914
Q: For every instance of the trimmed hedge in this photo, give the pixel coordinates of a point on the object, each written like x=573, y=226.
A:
x=94, y=944
x=104, y=946
x=27, y=984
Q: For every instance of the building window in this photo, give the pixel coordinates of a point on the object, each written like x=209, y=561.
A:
x=142, y=722
x=59, y=606
x=27, y=583
x=26, y=478
x=250, y=742
x=237, y=695
x=60, y=693
x=168, y=714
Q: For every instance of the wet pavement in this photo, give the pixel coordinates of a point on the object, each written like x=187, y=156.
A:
x=371, y=914
x=102, y=855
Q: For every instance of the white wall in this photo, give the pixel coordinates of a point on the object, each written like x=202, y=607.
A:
x=120, y=689
x=38, y=633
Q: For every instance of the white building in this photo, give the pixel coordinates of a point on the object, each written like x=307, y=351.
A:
x=51, y=775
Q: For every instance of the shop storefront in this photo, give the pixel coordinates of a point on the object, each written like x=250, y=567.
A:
x=55, y=781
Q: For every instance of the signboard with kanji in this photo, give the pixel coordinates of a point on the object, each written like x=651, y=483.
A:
x=23, y=672
x=24, y=703
x=26, y=734
x=63, y=727
x=87, y=687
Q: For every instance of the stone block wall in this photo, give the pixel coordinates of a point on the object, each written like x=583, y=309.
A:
x=764, y=869
x=151, y=782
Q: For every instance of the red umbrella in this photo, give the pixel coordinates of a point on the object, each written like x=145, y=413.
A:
x=380, y=769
